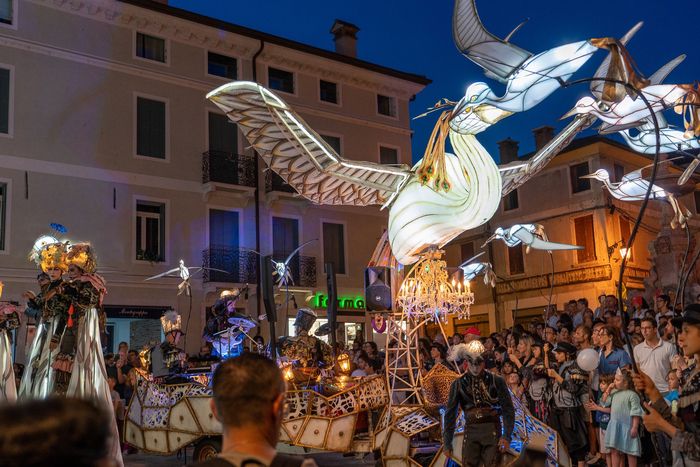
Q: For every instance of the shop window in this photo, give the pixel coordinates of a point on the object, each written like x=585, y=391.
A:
x=221, y=65
x=150, y=231
x=328, y=91
x=334, y=246
x=151, y=128
x=280, y=80
x=150, y=47
x=585, y=237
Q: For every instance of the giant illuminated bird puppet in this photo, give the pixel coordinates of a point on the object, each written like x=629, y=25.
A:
x=530, y=235
x=441, y=196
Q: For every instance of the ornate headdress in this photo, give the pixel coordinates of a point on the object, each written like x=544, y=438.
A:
x=50, y=254
x=83, y=256
x=171, y=321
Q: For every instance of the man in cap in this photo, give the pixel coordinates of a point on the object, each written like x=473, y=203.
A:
x=483, y=398
x=567, y=415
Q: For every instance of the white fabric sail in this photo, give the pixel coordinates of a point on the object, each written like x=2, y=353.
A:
x=8, y=387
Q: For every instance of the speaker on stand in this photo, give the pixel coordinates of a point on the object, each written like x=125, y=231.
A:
x=268, y=298
x=378, y=288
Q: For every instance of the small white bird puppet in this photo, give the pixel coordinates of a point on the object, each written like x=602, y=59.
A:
x=185, y=273
x=531, y=235
x=282, y=271
x=472, y=269
x=633, y=187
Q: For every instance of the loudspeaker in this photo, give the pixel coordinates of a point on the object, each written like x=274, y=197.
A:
x=378, y=288
x=332, y=305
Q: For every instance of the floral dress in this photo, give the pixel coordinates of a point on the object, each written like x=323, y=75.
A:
x=624, y=405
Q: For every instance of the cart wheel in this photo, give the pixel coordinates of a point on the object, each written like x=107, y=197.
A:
x=206, y=449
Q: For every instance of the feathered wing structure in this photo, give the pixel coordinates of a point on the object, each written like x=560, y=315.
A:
x=299, y=155
x=498, y=57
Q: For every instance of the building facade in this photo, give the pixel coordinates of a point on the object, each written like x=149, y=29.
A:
x=572, y=210
x=104, y=128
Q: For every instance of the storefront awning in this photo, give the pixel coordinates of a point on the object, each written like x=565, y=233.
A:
x=135, y=311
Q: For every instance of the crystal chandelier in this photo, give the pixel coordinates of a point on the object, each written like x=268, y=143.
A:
x=428, y=293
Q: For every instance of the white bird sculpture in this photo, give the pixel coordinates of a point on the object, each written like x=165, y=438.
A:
x=633, y=187
x=282, y=271
x=185, y=273
x=530, y=235
x=471, y=270
x=631, y=112
x=529, y=79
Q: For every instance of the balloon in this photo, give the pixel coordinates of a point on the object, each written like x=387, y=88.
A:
x=588, y=359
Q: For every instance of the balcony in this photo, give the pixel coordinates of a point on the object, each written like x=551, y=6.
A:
x=240, y=263
x=302, y=269
x=224, y=172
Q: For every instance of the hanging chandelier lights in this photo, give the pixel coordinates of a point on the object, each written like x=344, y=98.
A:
x=428, y=292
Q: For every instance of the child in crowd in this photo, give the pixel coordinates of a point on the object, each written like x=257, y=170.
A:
x=515, y=385
x=671, y=396
x=602, y=409
x=622, y=435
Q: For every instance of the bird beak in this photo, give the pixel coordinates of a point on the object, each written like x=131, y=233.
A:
x=587, y=176
x=490, y=239
x=570, y=113
x=459, y=108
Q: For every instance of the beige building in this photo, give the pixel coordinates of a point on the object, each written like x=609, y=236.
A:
x=572, y=210
x=104, y=128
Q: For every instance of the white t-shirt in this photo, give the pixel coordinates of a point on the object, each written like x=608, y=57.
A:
x=655, y=361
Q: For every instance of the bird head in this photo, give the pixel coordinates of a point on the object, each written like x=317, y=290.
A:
x=583, y=106
x=498, y=233
x=477, y=93
x=600, y=174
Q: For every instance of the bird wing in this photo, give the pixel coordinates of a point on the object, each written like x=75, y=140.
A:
x=515, y=174
x=602, y=71
x=533, y=241
x=497, y=57
x=164, y=274
x=465, y=263
x=660, y=75
x=299, y=155
x=291, y=255
x=197, y=270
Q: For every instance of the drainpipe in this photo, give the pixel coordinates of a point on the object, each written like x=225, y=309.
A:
x=257, y=194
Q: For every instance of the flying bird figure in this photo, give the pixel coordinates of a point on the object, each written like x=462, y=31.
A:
x=529, y=78
x=633, y=187
x=530, y=235
x=185, y=273
x=282, y=271
x=471, y=270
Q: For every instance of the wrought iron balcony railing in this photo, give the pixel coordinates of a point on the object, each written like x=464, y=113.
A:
x=229, y=168
x=240, y=263
x=274, y=182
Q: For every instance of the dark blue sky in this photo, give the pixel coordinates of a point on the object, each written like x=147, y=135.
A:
x=416, y=36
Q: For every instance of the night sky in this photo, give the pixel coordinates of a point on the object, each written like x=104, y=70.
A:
x=416, y=36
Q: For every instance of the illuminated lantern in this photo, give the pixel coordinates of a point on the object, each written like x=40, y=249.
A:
x=344, y=362
x=287, y=371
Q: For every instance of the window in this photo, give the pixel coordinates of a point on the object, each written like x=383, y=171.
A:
x=510, y=201
x=285, y=237
x=579, y=184
x=7, y=10
x=223, y=134
x=150, y=48
x=466, y=251
x=223, y=246
x=333, y=141
x=280, y=80
x=150, y=128
x=150, y=231
x=585, y=237
x=516, y=261
x=618, y=173
x=386, y=105
x=334, y=246
x=221, y=65
x=328, y=91
x=388, y=155
x=4, y=100
x=625, y=231
x=3, y=215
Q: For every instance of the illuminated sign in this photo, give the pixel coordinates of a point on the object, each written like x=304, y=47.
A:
x=319, y=300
